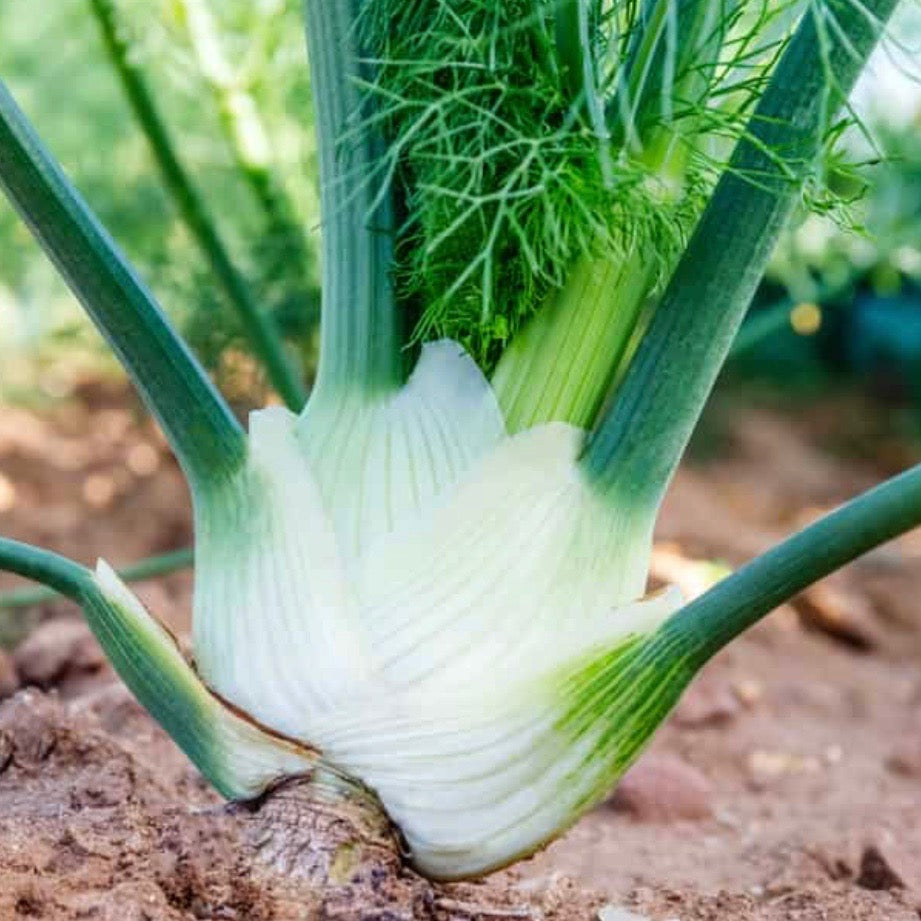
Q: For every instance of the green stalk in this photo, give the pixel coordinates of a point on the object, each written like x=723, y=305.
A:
x=60, y=575
x=259, y=328
x=712, y=620
x=207, y=439
x=246, y=135
x=235, y=755
x=573, y=36
x=360, y=345
x=149, y=568
x=637, y=684
x=644, y=432
x=562, y=365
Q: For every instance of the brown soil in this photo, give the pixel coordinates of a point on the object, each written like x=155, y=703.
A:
x=786, y=786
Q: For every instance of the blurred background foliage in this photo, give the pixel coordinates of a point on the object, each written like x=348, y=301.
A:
x=841, y=306
x=248, y=68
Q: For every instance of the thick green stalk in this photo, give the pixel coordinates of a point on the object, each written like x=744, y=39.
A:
x=259, y=328
x=148, y=568
x=360, y=345
x=207, y=439
x=709, y=622
x=644, y=432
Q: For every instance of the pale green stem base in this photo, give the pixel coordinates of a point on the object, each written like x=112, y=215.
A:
x=561, y=365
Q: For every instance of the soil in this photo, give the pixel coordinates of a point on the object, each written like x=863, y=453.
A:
x=787, y=785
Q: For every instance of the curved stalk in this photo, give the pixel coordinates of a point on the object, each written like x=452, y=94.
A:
x=708, y=623
x=259, y=328
x=57, y=573
x=148, y=568
x=360, y=340
x=237, y=756
x=643, y=434
x=207, y=439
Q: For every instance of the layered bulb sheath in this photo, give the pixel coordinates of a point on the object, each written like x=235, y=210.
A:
x=429, y=605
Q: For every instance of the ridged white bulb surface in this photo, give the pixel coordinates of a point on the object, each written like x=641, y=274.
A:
x=402, y=585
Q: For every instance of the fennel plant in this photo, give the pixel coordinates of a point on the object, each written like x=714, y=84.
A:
x=542, y=225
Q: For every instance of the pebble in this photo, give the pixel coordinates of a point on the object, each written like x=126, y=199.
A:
x=6, y=750
x=876, y=870
x=664, y=788
x=765, y=766
x=844, y=616
x=57, y=648
x=905, y=759
x=9, y=677
x=614, y=913
x=707, y=704
x=28, y=724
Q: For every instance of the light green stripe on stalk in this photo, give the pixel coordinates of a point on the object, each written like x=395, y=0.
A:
x=360, y=339
x=643, y=434
x=208, y=441
x=562, y=365
x=559, y=367
x=258, y=327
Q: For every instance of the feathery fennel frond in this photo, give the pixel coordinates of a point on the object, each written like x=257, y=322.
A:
x=508, y=174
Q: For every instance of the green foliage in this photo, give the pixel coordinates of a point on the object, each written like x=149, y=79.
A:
x=504, y=176
x=525, y=134
x=57, y=67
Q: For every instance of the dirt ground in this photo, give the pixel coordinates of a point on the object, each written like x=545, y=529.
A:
x=786, y=787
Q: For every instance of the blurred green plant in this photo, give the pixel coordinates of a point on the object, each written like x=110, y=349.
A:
x=243, y=159
x=835, y=274
x=846, y=297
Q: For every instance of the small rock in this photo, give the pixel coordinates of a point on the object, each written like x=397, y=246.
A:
x=905, y=759
x=29, y=721
x=876, y=872
x=6, y=750
x=766, y=766
x=9, y=677
x=706, y=704
x=615, y=913
x=844, y=616
x=55, y=650
x=748, y=692
x=664, y=788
